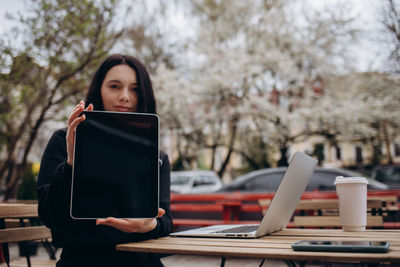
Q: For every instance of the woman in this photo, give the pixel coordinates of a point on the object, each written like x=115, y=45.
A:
x=120, y=84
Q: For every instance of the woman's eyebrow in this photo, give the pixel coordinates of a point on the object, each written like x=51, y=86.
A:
x=113, y=81
x=118, y=81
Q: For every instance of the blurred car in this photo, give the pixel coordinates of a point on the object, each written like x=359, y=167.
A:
x=195, y=182
x=388, y=174
x=269, y=179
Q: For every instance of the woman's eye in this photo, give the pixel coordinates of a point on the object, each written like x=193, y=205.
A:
x=134, y=88
x=114, y=86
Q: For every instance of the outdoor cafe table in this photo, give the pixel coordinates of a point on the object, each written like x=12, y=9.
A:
x=274, y=246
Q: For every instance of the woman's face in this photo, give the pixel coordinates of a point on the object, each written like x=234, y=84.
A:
x=118, y=90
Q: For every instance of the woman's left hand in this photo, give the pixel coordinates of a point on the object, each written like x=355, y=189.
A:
x=132, y=225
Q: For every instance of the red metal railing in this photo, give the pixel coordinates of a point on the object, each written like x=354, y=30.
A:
x=195, y=209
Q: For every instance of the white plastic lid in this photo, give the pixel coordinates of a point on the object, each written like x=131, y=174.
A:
x=350, y=180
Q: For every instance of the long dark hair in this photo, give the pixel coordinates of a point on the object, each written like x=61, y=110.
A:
x=147, y=101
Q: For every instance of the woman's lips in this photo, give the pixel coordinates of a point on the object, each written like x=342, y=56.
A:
x=121, y=108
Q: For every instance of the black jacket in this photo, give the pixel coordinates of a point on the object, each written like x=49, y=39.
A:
x=84, y=243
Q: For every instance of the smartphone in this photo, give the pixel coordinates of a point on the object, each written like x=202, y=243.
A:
x=341, y=246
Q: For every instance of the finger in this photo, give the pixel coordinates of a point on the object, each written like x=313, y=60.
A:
x=74, y=124
x=82, y=102
x=90, y=107
x=78, y=120
x=75, y=113
x=79, y=105
x=114, y=222
x=161, y=212
x=100, y=221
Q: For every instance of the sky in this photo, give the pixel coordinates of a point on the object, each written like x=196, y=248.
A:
x=12, y=7
x=369, y=54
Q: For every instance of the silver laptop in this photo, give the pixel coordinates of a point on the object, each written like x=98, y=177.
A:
x=280, y=210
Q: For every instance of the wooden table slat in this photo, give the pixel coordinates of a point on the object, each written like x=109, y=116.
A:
x=274, y=246
x=18, y=210
x=267, y=241
x=251, y=252
x=24, y=234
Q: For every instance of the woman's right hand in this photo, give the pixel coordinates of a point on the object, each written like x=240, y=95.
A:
x=73, y=120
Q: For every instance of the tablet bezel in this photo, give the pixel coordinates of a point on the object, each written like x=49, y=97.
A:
x=153, y=213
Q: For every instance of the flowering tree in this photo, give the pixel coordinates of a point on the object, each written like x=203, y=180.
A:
x=61, y=43
x=367, y=109
x=245, y=51
x=391, y=26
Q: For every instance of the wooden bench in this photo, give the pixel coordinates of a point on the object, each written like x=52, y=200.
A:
x=331, y=221
x=374, y=205
x=23, y=232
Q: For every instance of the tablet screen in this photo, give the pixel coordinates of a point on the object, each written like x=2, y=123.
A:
x=116, y=169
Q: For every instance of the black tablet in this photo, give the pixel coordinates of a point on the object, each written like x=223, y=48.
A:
x=116, y=166
x=364, y=246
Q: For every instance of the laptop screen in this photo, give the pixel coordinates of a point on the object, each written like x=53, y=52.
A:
x=116, y=169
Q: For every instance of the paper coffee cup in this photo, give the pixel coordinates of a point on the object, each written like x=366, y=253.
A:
x=352, y=194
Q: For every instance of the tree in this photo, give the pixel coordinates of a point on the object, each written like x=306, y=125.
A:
x=247, y=51
x=151, y=36
x=174, y=104
x=367, y=110
x=391, y=23
x=63, y=40
x=219, y=102
x=155, y=39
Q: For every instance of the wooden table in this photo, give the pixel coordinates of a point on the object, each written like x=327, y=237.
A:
x=274, y=246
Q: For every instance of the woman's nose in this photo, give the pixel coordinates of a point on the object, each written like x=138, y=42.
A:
x=124, y=95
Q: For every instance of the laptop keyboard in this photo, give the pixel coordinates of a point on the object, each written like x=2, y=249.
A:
x=239, y=229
